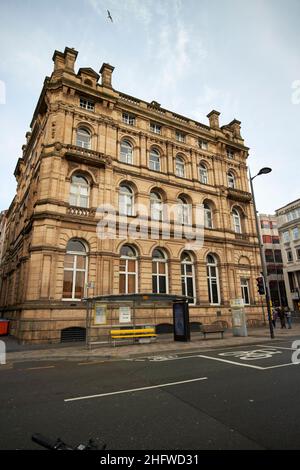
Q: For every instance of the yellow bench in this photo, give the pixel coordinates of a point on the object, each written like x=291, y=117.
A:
x=132, y=333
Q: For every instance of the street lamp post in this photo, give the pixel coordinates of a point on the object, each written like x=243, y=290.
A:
x=263, y=171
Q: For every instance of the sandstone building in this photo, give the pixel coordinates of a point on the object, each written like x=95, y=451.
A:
x=89, y=145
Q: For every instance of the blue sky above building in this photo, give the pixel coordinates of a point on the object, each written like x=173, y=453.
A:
x=192, y=56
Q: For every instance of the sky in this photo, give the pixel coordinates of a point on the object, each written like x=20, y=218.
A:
x=238, y=57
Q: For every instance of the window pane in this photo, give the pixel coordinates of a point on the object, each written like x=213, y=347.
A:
x=67, y=288
x=69, y=261
x=80, y=262
x=162, y=268
x=131, y=283
x=214, y=289
x=73, y=200
x=154, y=284
x=162, y=285
x=154, y=268
x=75, y=245
x=183, y=286
x=79, y=286
x=246, y=295
x=131, y=266
x=213, y=271
x=122, y=283
x=189, y=268
x=190, y=289
x=122, y=264
x=83, y=202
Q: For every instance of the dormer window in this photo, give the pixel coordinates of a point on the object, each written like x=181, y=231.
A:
x=156, y=128
x=87, y=104
x=128, y=119
x=180, y=137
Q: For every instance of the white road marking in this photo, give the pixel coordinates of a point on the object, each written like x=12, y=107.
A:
x=282, y=365
x=278, y=347
x=135, y=390
x=232, y=362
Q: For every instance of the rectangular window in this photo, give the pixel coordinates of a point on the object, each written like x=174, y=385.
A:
x=203, y=144
x=128, y=119
x=87, y=104
x=180, y=137
x=275, y=239
x=230, y=153
x=295, y=233
x=289, y=256
x=278, y=256
x=156, y=128
x=286, y=237
x=245, y=291
x=264, y=224
x=269, y=256
x=298, y=252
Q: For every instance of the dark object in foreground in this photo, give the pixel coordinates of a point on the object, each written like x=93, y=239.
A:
x=60, y=445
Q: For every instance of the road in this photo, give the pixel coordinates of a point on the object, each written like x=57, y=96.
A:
x=234, y=398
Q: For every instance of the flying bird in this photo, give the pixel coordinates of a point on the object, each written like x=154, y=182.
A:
x=109, y=16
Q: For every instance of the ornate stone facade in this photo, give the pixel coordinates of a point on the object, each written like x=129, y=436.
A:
x=73, y=162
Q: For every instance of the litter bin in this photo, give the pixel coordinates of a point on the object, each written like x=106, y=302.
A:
x=4, y=326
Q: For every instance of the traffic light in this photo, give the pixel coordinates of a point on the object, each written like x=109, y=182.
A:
x=260, y=285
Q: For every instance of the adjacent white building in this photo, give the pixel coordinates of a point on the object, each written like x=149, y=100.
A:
x=288, y=219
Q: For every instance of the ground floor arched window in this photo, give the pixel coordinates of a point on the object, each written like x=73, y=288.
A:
x=75, y=270
x=159, y=272
x=213, y=280
x=128, y=270
x=188, y=277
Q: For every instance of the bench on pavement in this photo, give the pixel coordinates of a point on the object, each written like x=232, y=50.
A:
x=207, y=329
x=132, y=333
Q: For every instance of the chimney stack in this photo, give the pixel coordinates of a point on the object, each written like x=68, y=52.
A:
x=236, y=127
x=213, y=117
x=106, y=74
x=65, y=60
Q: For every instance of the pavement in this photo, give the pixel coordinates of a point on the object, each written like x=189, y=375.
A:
x=164, y=344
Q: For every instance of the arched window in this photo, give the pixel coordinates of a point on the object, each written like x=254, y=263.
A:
x=213, y=280
x=126, y=155
x=156, y=205
x=231, y=179
x=128, y=270
x=79, y=191
x=179, y=170
x=83, y=138
x=188, y=277
x=236, y=220
x=208, y=216
x=75, y=270
x=126, y=200
x=203, y=175
x=154, y=160
x=159, y=272
x=183, y=211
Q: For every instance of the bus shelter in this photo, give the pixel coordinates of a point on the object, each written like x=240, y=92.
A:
x=106, y=313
